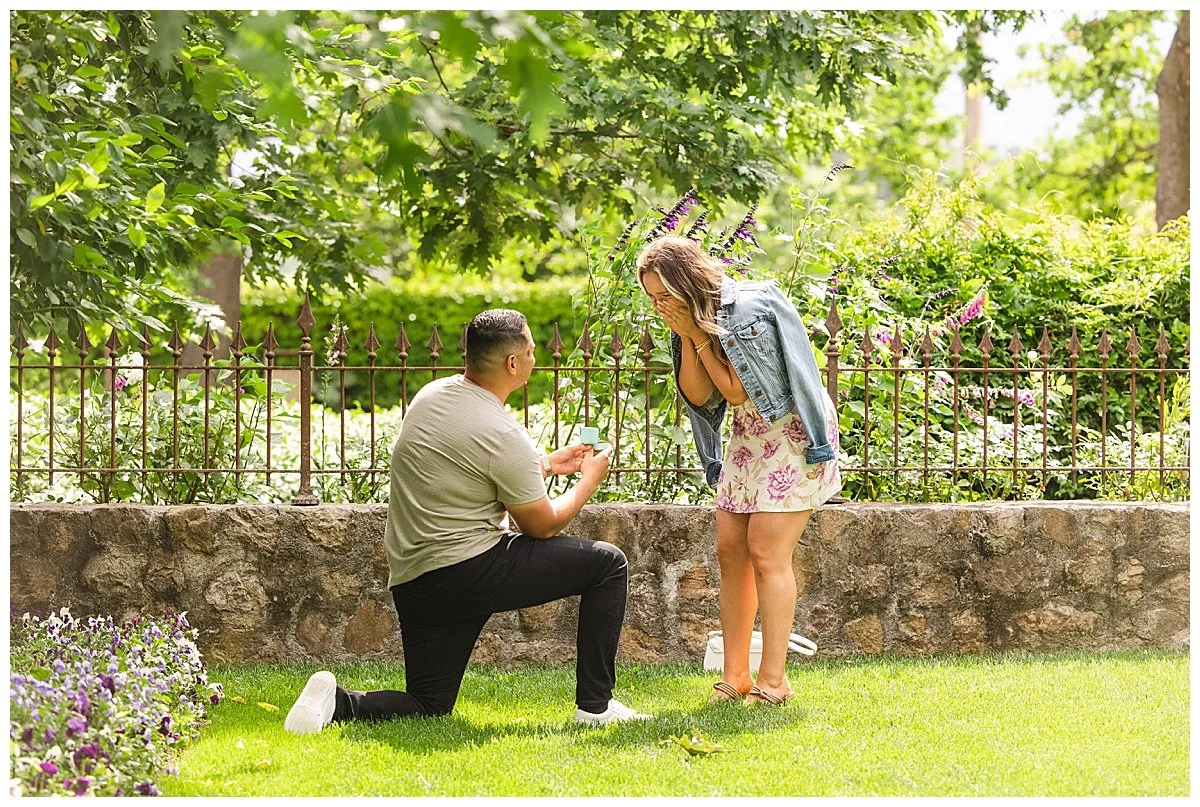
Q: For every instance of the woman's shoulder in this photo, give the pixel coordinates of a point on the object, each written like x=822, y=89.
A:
x=757, y=293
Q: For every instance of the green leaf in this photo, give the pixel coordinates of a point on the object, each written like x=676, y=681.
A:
x=155, y=197
x=529, y=74
x=137, y=236
x=26, y=237
x=41, y=201
x=200, y=52
x=98, y=160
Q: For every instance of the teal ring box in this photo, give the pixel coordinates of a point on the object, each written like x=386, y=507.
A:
x=590, y=435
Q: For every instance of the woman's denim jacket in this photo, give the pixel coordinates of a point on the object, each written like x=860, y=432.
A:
x=763, y=336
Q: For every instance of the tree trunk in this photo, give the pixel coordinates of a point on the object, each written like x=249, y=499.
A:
x=223, y=273
x=1172, y=197
x=974, y=125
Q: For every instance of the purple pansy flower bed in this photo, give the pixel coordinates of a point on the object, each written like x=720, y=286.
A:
x=96, y=704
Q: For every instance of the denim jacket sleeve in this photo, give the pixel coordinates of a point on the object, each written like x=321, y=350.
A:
x=706, y=420
x=804, y=379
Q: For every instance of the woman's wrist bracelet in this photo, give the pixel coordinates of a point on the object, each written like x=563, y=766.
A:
x=700, y=347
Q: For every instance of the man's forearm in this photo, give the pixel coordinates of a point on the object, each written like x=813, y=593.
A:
x=568, y=505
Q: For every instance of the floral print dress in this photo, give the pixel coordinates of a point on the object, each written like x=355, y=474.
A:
x=764, y=469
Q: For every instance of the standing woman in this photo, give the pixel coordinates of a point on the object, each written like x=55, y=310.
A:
x=741, y=345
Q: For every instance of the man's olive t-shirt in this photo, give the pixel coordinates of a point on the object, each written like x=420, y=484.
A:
x=459, y=459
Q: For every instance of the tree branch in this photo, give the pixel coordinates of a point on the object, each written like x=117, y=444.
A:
x=433, y=62
x=510, y=128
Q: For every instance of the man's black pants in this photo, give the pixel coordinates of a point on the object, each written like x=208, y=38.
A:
x=443, y=611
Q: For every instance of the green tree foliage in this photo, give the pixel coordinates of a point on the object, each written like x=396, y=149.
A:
x=374, y=137
x=118, y=167
x=1106, y=69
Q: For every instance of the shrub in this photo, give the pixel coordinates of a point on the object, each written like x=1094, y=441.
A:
x=416, y=303
x=96, y=706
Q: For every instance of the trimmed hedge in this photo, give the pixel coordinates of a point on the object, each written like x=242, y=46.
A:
x=416, y=303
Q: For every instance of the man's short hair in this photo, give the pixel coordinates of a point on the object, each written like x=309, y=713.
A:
x=493, y=336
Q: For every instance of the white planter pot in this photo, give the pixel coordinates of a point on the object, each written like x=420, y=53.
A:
x=714, y=652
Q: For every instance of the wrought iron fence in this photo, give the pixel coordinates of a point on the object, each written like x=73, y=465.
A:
x=128, y=422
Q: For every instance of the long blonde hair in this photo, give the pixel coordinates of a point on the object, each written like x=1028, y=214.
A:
x=689, y=274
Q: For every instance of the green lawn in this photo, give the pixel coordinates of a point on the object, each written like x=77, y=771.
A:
x=1012, y=725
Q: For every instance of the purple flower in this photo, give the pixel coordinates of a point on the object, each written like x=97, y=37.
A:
x=50, y=736
x=120, y=383
x=76, y=725
x=145, y=788
x=742, y=231
x=89, y=751
x=49, y=767
x=770, y=447
x=81, y=785
x=107, y=682
x=165, y=726
x=837, y=169
x=781, y=482
x=741, y=270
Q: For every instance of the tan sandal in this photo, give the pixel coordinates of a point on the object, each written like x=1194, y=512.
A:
x=767, y=698
x=725, y=692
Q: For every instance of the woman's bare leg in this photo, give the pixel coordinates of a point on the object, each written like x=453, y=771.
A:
x=738, y=597
x=771, y=539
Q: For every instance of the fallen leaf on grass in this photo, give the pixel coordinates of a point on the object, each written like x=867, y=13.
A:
x=266, y=763
x=697, y=743
x=238, y=699
x=270, y=707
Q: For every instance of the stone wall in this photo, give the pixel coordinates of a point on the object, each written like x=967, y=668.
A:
x=272, y=583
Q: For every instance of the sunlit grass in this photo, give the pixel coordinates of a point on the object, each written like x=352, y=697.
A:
x=1063, y=724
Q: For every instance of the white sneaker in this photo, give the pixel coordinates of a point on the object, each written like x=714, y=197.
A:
x=616, y=712
x=314, y=708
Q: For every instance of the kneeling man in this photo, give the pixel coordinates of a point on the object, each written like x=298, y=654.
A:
x=459, y=465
